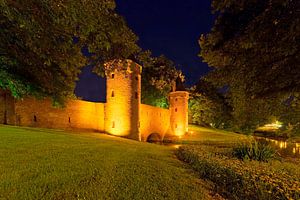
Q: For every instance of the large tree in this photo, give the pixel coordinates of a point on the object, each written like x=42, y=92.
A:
x=41, y=43
x=208, y=106
x=254, y=49
x=158, y=77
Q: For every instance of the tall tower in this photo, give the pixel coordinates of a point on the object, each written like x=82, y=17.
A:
x=179, y=111
x=123, y=99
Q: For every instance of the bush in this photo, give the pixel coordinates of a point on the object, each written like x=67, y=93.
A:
x=257, y=150
x=236, y=179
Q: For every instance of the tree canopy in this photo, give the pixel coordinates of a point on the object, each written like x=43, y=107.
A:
x=41, y=43
x=208, y=106
x=255, y=42
x=158, y=77
x=254, y=50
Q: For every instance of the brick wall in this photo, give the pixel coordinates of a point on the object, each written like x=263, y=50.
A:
x=7, y=108
x=122, y=108
x=179, y=112
x=76, y=114
x=153, y=120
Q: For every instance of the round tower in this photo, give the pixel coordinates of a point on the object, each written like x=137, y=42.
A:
x=123, y=98
x=178, y=112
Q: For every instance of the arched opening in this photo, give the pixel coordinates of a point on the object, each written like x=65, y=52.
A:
x=154, y=138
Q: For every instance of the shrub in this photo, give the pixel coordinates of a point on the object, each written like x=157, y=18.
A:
x=257, y=150
x=236, y=179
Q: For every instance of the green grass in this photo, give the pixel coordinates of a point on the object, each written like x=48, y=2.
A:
x=200, y=135
x=53, y=164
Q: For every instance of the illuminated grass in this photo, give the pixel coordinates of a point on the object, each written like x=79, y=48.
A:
x=199, y=134
x=52, y=164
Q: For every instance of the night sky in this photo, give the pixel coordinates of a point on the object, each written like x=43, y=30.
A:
x=165, y=27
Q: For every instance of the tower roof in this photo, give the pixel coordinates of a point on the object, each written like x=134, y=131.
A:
x=178, y=85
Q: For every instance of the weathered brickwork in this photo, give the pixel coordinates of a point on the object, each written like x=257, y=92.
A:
x=122, y=114
x=179, y=112
x=154, y=120
x=7, y=108
x=123, y=100
x=76, y=114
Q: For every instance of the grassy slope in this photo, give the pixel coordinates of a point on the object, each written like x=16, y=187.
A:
x=201, y=134
x=52, y=164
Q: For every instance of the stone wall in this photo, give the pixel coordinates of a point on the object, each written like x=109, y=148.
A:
x=179, y=112
x=123, y=98
x=2, y=107
x=76, y=114
x=154, y=120
x=122, y=114
x=7, y=108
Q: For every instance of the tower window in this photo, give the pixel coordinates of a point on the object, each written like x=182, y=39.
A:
x=112, y=94
x=175, y=99
x=113, y=124
x=175, y=109
x=136, y=78
x=136, y=95
x=112, y=76
x=69, y=119
x=34, y=118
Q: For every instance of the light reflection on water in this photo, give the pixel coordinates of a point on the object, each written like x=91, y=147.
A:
x=284, y=148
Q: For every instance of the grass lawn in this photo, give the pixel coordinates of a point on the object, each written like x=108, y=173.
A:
x=199, y=134
x=54, y=164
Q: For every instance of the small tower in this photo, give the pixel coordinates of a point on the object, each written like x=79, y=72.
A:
x=179, y=110
x=123, y=98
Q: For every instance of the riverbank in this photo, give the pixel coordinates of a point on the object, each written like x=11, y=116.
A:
x=209, y=153
x=275, y=136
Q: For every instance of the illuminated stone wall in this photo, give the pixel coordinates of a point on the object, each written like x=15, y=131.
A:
x=76, y=114
x=2, y=107
x=154, y=120
x=179, y=112
x=7, y=108
x=123, y=98
x=122, y=114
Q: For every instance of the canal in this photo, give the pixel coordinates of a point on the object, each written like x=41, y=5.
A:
x=284, y=148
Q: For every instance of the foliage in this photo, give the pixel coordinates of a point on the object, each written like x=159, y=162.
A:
x=254, y=49
x=208, y=107
x=158, y=77
x=41, y=43
x=256, y=150
x=235, y=179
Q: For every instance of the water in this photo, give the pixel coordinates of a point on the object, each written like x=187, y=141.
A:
x=284, y=148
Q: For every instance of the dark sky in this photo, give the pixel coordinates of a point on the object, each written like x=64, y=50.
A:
x=169, y=27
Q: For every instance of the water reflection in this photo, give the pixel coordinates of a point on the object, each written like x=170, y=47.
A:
x=284, y=148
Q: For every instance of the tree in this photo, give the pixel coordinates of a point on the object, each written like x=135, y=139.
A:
x=208, y=106
x=158, y=77
x=41, y=43
x=254, y=49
